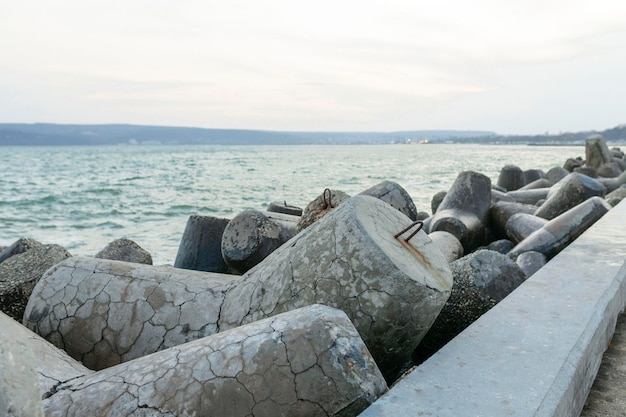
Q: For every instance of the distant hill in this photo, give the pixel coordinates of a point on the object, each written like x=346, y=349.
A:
x=47, y=134
x=38, y=134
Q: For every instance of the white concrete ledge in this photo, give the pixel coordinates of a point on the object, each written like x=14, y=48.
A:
x=538, y=351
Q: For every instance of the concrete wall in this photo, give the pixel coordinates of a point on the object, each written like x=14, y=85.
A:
x=538, y=351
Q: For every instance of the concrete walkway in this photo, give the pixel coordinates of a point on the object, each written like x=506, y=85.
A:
x=607, y=397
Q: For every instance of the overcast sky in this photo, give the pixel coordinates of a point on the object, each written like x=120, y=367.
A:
x=525, y=66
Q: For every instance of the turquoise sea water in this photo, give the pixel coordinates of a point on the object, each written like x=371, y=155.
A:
x=84, y=197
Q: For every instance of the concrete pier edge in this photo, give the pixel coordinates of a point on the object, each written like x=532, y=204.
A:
x=538, y=351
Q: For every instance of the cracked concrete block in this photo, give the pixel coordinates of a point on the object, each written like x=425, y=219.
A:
x=103, y=312
x=51, y=366
x=464, y=210
x=391, y=290
x=19, y=387
x=308, y=361
x=200, y=247
x=252, y=235
x=392, y=193
x=125, y=250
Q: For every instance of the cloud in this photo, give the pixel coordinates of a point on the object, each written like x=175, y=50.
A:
x=322, y=65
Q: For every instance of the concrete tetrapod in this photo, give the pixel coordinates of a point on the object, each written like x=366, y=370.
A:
x=391, y=289
x=307, y=362
x=19, y=391
x=252, y=235
x=103, y=312
x=464, y=210
x=563, y=229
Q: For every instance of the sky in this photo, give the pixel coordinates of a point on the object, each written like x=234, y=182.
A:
x=513, y=67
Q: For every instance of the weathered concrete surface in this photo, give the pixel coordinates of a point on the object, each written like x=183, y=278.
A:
x=481, y=280
x=349, y=259
x=569, y=192
x=392, y=193
x=19, y=389
x=511, y=177
x=19, y=246
x=252, y=235
x=20, y=273
x=464, y=210
x=307, y=362
x=537, y=352
x=563, y=229
x=51, y=366
x=322, y=204
x=103, y=312
x=125, y=250
x=200, y=247
x=607, y=396
x=597, y=152
x=448, y=244
x=521, y=225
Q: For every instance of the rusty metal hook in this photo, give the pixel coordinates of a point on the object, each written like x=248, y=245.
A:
x=420, y=225
x=329, y=203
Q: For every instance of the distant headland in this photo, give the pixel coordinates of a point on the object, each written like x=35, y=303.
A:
x=48, y=134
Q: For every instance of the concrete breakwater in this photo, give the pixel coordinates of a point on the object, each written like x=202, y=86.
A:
x=394, y=276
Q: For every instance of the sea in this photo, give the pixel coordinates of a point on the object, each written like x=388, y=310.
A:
x=82, y=198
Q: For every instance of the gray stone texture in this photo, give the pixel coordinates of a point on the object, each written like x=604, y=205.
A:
x=464, y=210
x=252, y=235
x=125, y=250
x=572, y=163
x=531, y=262
x=569, y=192
x=322, y=204
x=613, y=184
x=616, y=196
x=19, y=389
x=500, y=213
x=106, y=312
x=511, y=178
x=537, y=352
x=448, y=244
x=307, y=362
x=556, y=174
x=20, y=273
x=393, y=194
x=283, y=207
x=103, y=312
x=597, y=152
x=528, y=196
x=532, y=175
x=521, y=225
x=391, y=290
x=481, y=280
x=19, y=246
x=200, y=247
x=538, y=183
x=559, y=232
x=436, y=200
